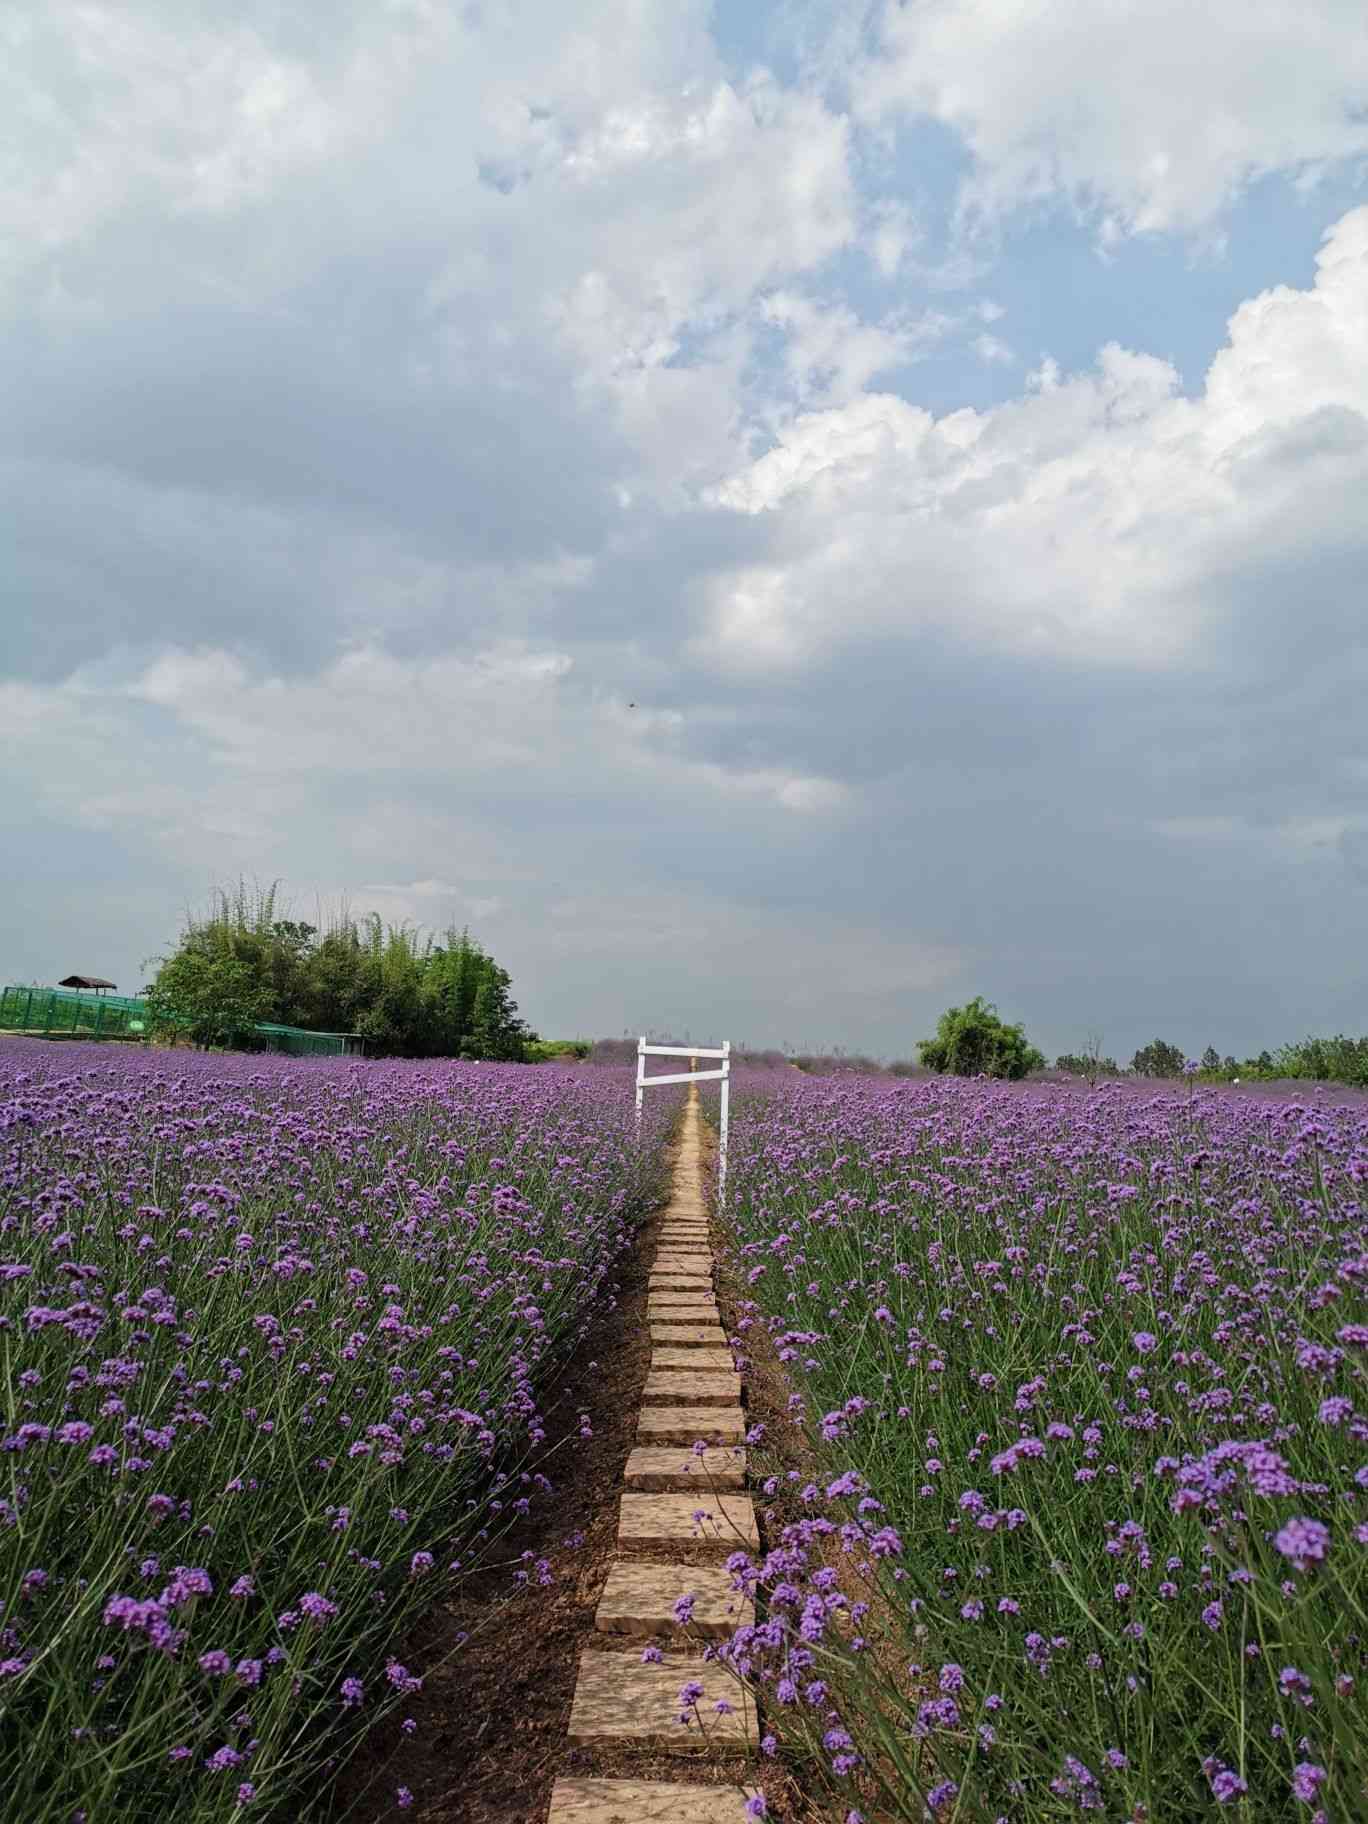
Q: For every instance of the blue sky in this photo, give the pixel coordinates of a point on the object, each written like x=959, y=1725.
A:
x=781, y=517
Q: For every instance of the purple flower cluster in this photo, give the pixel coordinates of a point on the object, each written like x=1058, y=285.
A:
x=1093, y=1433
x=279, y=1334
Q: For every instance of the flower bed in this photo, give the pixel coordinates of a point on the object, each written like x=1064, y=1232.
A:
x=1084, y=1374
x=277, y=1339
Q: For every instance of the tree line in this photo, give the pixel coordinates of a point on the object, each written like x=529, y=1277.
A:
x=406, y=993
x=1337, y=1060
x=974, y=1040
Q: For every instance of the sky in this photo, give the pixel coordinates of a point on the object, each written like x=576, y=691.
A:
x=779, y=516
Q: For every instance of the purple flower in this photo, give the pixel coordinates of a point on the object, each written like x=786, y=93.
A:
x=1307, y=1779
x=1305, y=1542
x=1227, y=1786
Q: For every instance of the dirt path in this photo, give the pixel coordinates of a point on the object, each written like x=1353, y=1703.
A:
x=549, y=1713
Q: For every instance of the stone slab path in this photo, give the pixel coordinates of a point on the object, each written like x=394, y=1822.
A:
x=683, y=1511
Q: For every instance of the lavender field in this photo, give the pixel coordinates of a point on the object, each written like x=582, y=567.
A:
x=1077, y=1385
x=277, y=1342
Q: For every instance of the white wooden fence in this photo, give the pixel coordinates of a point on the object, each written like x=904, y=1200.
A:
x=722, y=1075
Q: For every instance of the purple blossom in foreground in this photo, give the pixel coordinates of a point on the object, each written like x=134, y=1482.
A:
x=279, y=1332
x=1133, y=1314
x=1304, y=1541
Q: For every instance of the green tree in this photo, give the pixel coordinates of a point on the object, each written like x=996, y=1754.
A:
x=974, y=1041
x=405, y=993
x=1089, y=1064
x=214, y=998
x=1158, y=1059
x=1211, y=1060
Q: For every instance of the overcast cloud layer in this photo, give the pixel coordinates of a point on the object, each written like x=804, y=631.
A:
x=780, y=517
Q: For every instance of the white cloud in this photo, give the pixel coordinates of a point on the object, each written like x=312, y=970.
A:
x=993, y=350
x=1093, y=516
x=830, y=354
x=1145, y=114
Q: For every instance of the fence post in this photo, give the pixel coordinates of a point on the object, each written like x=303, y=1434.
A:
x=640, y=1080
x=722, y=1127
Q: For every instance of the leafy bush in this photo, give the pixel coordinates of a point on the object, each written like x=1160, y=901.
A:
x=973, y=1041
x=547, y=1051
x=213, y=997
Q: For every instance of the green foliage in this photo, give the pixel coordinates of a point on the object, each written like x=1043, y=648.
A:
x=214, y=997
x=1158, y=1059
x=1339, y=1060
x=547, y=1051
x=406, y=994
x=1087, y=1064
x=974, y=1041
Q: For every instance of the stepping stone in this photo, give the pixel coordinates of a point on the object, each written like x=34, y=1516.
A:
x=673, y=1466
x=680, y=1387
x=640, y=1599
x=585, y=1801
x=686, y=1424
x=683, y=1263
x=705, y=1361
x=692, y=1307
x=689, y=1334
x=670, y=1520
x=620, y=1702
x=695, y=1284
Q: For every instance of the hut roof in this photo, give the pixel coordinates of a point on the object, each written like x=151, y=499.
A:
x=85, y=981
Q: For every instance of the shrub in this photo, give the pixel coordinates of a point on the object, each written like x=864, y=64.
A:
x=973, y=1041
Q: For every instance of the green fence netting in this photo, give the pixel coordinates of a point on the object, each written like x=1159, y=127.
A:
x=69, y=1011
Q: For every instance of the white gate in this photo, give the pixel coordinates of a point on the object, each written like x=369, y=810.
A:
x=722, y=1075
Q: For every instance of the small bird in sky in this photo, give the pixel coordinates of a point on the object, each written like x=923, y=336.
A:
x=631, y=706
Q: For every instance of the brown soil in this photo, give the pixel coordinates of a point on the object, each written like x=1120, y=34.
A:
x=492, y=1716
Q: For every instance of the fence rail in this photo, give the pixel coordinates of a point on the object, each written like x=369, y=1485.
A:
x=723, y=1076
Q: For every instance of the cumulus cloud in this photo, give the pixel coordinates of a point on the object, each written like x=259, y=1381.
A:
x=512, y=465
x=1146, y=115
x=1100, y=513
